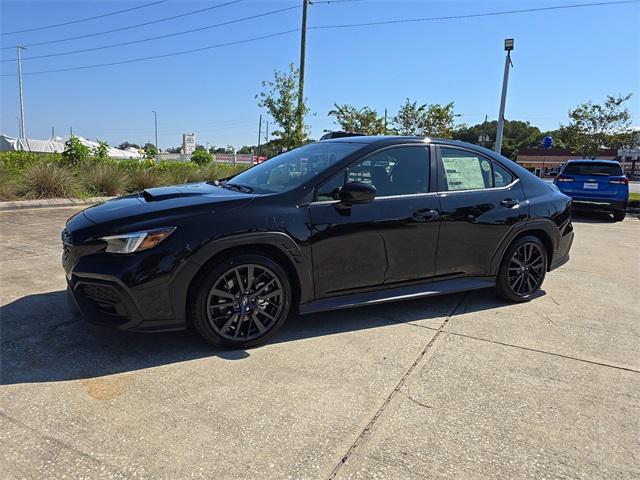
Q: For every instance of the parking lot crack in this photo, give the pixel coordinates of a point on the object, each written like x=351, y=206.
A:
x=395, y=391
x=544, y=352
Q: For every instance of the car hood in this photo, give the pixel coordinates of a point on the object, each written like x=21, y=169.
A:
x=166, y=202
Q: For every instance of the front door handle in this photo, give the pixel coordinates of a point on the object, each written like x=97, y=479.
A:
x=425, y=215
x=509, y=203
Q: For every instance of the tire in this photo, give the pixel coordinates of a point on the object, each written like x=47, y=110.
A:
x=618, y=216
x=231, y=314
x=522, y=270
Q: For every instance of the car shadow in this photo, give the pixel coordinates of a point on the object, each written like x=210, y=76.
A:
x=42, y=342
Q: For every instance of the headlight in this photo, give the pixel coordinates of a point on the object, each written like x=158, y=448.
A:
x=136, y=241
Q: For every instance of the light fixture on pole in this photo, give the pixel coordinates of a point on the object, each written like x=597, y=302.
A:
x=508, y=47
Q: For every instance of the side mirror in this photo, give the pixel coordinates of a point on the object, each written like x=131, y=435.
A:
x=357, y=192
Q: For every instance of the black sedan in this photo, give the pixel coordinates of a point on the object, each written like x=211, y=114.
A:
x=334, y=224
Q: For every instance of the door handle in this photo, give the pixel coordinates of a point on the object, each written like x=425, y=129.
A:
x=509, y=203
x=425, y=215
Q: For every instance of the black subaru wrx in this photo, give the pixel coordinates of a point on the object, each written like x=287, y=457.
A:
x=334, y=224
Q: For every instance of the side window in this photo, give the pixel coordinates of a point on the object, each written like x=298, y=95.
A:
x=464, y=170
x=395, y=171
x=501, y=177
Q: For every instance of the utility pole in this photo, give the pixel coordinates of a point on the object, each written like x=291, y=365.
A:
x=484, y=138
x=259, y=135
x=53, y=131
x=155, y=123
x=303, y=48
x=508, y=46
x=385, y=121
x=22, y=132
x=266, y=139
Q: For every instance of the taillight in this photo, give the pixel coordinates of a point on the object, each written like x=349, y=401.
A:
x=619, y=181
x=563, y=178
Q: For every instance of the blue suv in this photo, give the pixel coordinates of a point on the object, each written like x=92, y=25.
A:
x=595, y=185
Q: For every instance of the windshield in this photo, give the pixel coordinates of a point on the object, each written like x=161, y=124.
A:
x=292, y=168
x=592, y=168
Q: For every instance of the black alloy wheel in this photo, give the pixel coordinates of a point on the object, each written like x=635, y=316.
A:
x=242, y=301
x=523, y=269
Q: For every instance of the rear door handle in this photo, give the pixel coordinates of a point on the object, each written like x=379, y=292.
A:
x=509, y=203
x=425, y=215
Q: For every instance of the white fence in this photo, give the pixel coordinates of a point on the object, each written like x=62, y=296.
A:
x=217, y=157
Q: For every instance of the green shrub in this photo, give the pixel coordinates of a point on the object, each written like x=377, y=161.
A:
x=103, y=178
x=132, y=165
x=201, y=157
x=139, y=179
x=74, y=153
x=18, y=161
x=174, y=173
x=49, y=180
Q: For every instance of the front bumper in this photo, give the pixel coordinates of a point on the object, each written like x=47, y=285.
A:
x=108, y=303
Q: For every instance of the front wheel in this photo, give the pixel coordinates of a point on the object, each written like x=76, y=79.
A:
x=241, y=302
x=522, y=270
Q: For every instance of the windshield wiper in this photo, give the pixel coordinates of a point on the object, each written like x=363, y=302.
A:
x=234, y=186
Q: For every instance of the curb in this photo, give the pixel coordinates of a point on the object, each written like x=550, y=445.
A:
x=52, y=202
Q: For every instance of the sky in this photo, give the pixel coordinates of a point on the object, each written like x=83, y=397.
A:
x=562, y=58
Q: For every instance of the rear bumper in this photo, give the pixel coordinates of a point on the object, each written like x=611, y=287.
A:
x=561, y=255
x=599, y=204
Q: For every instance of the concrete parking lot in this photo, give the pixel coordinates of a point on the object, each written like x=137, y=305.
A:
x=462, y=386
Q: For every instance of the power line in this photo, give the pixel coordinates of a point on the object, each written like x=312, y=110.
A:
x=71, y=22
x=238, y=42
x=129, y=27
x=472, y=15
x=164, y=55
x=158, y=37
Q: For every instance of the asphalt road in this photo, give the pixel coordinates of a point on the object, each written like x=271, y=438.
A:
x=462, y=386
x=634, y=187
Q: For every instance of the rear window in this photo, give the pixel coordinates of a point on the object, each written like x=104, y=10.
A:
x=592, y=168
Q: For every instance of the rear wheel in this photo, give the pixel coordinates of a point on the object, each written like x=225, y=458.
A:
x=522, y=270
x=618, y=216
x=242, y=301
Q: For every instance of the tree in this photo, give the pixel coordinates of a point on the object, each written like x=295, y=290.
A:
x=174, y=150
x=364, y=120
x=201, y=157
x=150, y=151
x=75, y=152
x=439, y=121
x=280, y=98
x=200, y=147
x=410, y=119
x=593, y=126
x=517, y=135
x=101, y=151
x=125, y=145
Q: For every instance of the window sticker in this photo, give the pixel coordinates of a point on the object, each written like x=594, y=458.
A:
x=485, y=165
x=463, y=173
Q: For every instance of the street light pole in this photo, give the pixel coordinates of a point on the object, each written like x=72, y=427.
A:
x=155, y=123
x=508, y=46
x=22, y=132
x=303, y=48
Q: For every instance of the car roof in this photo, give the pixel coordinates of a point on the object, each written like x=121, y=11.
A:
x=394, y=139
x=587, y=160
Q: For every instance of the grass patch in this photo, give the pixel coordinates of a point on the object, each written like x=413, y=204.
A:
x=49, y=180
x=634, y=200
x=29, y=175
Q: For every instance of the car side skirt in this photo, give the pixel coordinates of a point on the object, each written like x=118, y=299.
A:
x=409, y=292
